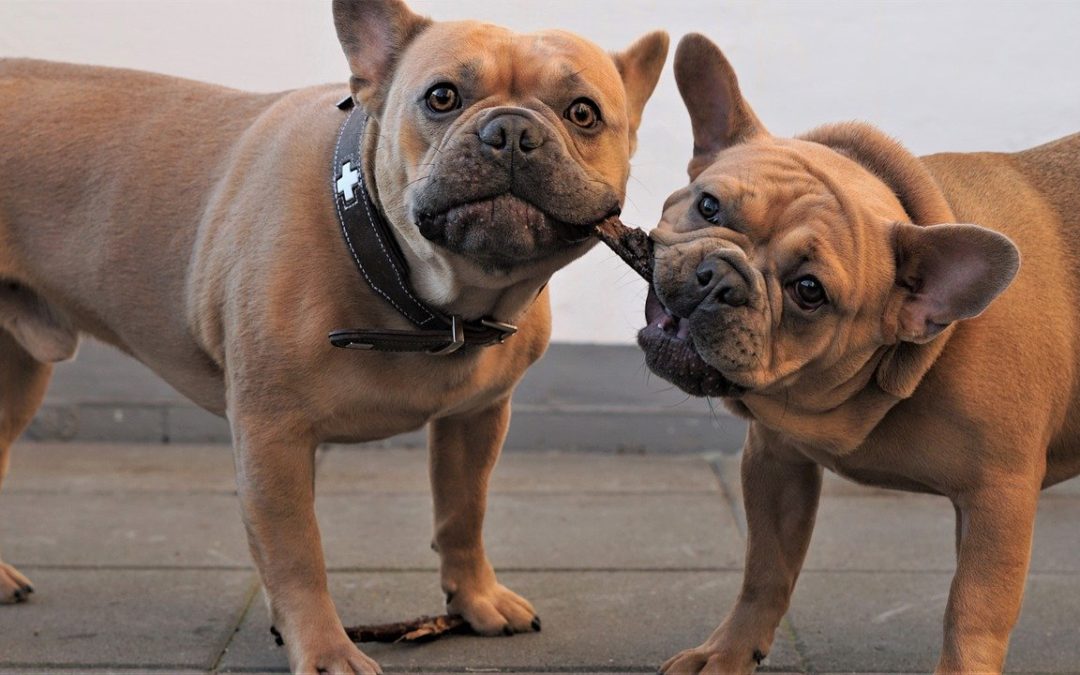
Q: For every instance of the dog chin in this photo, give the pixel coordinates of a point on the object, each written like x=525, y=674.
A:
x=503, y=232
x=671, y=354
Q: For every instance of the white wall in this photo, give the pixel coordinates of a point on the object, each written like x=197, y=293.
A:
x=961, y=75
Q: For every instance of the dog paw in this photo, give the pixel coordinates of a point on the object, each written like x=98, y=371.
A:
x=708, y=661
x=494, y=610
x=14, y=587
x=336, y=659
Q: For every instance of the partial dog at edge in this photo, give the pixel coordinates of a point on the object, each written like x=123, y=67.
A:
x=192, y=227
x=827, y=288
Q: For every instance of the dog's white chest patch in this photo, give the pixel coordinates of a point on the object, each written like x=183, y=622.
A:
x=349, y=181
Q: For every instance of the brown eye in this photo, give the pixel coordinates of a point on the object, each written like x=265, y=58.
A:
x=443, y=98
x=709, y=208
x=583, y=113
x=808, y=292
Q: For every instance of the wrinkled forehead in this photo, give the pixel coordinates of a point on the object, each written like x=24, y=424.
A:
x=793, y=199
x=767, y=186
x=516, y=63
x=762, y=189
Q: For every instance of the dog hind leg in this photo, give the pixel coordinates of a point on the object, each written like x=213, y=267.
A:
x=23, y=381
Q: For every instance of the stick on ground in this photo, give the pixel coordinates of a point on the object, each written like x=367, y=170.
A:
x=420, y=629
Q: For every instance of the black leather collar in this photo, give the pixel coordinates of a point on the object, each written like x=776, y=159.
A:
x=371, y=243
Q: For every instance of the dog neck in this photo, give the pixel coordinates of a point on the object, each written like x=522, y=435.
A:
x=447, y=281
x=836, y=417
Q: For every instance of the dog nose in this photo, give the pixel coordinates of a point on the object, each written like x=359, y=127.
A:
x=719, y=280
x=714, y=281
x=512, y=131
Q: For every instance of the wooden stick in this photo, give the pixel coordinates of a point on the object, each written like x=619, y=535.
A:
x=420, y=629
x=633, y=245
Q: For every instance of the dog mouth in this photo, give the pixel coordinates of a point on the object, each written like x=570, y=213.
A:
x=671, y=354
x=505, y=230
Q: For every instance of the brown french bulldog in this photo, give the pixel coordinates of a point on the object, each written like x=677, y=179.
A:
x=194, y=227
x=827, y=288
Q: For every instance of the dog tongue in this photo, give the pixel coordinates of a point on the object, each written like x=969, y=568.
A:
x=631, y=244
x=657, y=315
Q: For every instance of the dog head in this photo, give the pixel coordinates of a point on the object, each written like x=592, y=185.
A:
x=496, y=152
x=793, y=265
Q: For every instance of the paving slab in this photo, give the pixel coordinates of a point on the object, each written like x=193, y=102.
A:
x=897, y=532
x=63, y=505
x=892, y=622
x=628, y=558
x=613, y=621
x=565, y=531
x=352, y=469
x=864, y=528
x=124, y=618
x=111, y=467
x=123, y=529
x=98, y=670
x=870, y=621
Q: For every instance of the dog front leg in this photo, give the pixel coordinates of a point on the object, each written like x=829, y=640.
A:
x=995, y=532
x=780, y=495
x=463, y=451
x=275, y=473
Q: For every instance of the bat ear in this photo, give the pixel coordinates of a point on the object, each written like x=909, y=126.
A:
x=640, y=66
x=719, y=115
x=948, y=273
x=373, y=34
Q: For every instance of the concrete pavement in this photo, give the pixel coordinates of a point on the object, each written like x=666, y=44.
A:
x=139, y=561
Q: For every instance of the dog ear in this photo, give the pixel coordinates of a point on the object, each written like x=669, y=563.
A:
x=373, y=34
x=948, y=273
x=640, y=66
x=719, y=115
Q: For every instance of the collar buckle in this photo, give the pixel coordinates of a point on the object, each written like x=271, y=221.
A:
x=457, y=338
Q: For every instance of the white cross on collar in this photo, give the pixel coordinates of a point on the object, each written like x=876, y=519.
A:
x=349, y=181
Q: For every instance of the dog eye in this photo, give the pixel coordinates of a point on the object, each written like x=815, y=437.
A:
x=443, y=98
x=808, y=292
x=583, y=113
x=709, y=208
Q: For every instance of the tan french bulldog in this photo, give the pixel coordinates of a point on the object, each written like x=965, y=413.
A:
x=192, y=226
x=826, y=287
